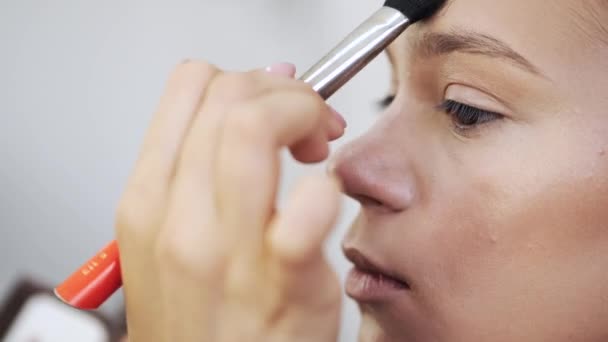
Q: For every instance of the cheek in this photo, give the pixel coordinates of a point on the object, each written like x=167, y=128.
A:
x=518, y=234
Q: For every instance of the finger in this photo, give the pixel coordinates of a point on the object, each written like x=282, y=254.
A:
x=295, y=239
x=298, y=231
x=163, y=140
x=309, y=151
x=143, y=203
x=146, y=193
x=195, y=174
x=336, y=125
x=306, y=152
x=193, y=194
x=191, y=247
x=248, y=164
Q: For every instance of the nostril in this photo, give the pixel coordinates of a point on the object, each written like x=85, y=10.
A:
x=366, y=201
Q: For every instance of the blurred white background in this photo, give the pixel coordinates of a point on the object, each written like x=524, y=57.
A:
x=79, y=81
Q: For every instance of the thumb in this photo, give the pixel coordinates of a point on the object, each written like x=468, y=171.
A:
x=309, y=287
x=298, y=232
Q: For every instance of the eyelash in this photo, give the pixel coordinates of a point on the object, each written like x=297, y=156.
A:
x=386, y=101
x=464, y=117
x=467, y=117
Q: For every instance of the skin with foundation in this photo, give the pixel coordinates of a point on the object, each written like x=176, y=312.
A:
x=483, y=188
x=493, y=216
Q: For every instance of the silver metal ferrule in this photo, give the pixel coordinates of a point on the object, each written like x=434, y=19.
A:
x=356, y=51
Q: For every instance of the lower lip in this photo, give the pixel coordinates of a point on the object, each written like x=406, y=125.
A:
x=366, y=287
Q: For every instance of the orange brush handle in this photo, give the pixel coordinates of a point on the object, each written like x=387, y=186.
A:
x=94, y=282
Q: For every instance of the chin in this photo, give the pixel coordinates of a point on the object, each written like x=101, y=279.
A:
x=387, y=323
x=371, y=331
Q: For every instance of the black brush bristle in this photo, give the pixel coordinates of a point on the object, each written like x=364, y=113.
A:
x=416, y=10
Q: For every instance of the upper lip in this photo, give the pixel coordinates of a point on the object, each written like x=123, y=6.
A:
x=365, y=264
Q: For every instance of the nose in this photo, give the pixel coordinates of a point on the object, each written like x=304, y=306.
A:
x=376, y=173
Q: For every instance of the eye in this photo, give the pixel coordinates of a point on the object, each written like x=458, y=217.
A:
x=386, y=101
x=467, y=117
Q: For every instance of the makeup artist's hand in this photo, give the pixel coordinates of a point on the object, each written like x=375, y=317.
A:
x=204, y=254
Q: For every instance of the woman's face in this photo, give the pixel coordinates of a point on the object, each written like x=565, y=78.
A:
x=484, y=185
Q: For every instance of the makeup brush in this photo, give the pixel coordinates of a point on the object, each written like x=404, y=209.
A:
x=366, y=42
x=95, y=281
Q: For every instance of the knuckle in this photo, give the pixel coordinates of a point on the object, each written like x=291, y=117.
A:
x=188, y=257
x=307, y=89
x=235, y=84
x=139, y=209
x=124, y=218
x=197, y=67
x=133, y=214
x=313, y=104
x=193, y=70
x=247, y=121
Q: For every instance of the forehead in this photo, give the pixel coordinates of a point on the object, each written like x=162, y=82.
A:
x=521, y=16
x=551, y=34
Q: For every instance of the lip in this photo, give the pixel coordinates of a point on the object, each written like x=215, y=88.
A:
x=369, y=281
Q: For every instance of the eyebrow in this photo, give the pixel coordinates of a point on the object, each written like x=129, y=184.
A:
x=437, y=43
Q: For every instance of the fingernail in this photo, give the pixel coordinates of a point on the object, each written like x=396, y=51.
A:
x=335, y=129
x=339, y=118
x=285, y=69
